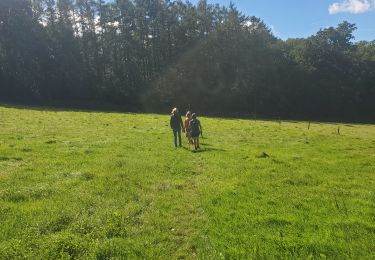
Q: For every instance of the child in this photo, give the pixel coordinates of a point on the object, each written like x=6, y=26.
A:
x=196, y=129
x=188, y=128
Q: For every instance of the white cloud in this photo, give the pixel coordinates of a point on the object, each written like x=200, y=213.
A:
x=352, y=6
x=248, y=23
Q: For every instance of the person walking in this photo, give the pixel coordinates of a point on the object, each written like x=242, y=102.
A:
x=196, y=129
x=188, y=128
x=176, y=125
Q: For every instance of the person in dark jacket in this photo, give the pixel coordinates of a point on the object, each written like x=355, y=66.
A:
x=176, y=125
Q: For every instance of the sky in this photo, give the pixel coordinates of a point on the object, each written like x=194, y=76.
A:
x=302, y=18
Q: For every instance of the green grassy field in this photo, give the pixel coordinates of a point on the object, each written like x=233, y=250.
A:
x=111, y=185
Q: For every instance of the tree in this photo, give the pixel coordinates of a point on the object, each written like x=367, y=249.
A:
x=22, y=51
x=152, y=54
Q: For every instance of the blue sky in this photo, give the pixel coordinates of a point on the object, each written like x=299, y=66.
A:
x=302, y=18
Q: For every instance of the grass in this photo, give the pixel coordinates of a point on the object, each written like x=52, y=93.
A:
x=111, y=185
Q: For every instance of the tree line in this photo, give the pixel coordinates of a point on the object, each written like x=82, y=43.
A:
x=150, y=55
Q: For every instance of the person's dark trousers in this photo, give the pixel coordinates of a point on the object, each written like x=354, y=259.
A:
x=177, y=132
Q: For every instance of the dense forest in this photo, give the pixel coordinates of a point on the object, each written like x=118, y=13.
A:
x=149, y=55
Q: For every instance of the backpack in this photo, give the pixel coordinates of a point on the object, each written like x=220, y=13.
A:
x=194, y=125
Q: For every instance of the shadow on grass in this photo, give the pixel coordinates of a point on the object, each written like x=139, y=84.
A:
x=10, y=158
x=74, y=107
x=103, y=107
x=203, y=150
